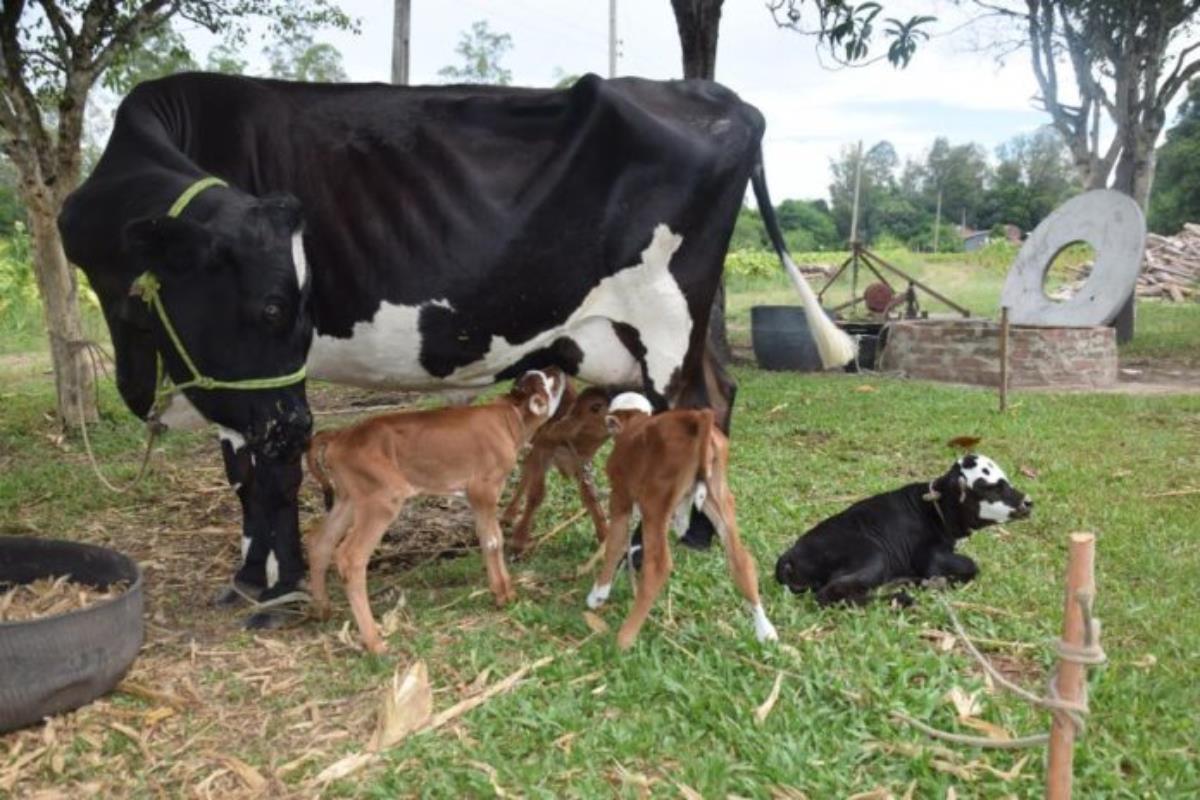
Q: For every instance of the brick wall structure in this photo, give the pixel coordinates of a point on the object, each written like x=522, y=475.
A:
x=968, y=351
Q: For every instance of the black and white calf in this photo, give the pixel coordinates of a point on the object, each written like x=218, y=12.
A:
x=452, y=237
x=907, y=534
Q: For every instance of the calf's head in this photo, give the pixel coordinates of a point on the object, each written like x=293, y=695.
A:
x=624, y=409
x=234, y=288
x=536, y=396
x=980, y=494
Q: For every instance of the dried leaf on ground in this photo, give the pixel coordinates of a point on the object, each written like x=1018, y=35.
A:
x=253, y=779
x=761, y=713
x=965, y=705
x=988, y=729
x=595, y=622
x=406, y=706
x=343, y=767
x=964, y=442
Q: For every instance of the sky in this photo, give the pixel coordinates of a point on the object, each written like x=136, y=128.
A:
x=954, y=87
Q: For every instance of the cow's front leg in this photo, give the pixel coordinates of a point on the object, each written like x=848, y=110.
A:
x=276, y=491
x=251, y=577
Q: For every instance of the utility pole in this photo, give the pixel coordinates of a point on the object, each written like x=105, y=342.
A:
x=857, y=185
x=400, y=28
x=937, y=221
x=612, y=38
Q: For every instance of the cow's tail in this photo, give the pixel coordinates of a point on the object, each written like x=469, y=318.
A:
x=315, y=458
x=834, y=344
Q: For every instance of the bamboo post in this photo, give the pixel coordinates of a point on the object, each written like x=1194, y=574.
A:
x=1003, y=358
x=1069, y=681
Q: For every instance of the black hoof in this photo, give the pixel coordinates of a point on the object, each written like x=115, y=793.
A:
x=902, y=599
x=236, y=594
x=700, y=532
x=268, y=620
x=276, y=591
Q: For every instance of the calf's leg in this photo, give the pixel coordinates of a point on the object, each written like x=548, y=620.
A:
x=854, y=586
x=371, y=520
x=483, y=498
x=719, y=506
x=532, y=489
x=320, y=552
x=620, y=507
x=950, y=565
x=656, y=568
x=587, y=493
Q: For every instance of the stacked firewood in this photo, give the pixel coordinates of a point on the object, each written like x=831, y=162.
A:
x=1171, y=269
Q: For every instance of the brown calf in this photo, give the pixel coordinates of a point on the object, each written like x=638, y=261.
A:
x=664, y=464
x=373, y=467
x=568, y=442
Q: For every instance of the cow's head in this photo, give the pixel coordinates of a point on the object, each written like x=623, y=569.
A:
x=234, y=287
x=980, y=493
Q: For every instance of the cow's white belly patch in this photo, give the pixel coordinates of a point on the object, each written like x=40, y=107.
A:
x=385, y=351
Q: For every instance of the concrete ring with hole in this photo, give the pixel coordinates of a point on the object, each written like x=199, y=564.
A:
x=1113, y=224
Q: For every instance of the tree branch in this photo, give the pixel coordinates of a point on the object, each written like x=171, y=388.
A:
x=63, y=33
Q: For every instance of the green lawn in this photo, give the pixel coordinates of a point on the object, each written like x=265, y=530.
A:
x=678, y=709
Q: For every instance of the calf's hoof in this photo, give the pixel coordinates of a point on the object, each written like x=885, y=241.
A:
x=375, y=646
x=626, y=638
x=598, y=595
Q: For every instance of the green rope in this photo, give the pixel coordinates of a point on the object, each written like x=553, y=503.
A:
x=149, y=288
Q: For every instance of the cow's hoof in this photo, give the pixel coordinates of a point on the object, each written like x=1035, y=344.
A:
x=699, y=534
x=236, y=594
x=268, y=621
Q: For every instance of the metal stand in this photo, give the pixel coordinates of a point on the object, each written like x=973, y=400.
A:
x=860, y=254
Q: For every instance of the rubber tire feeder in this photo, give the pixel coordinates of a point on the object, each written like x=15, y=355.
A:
x=782, y=340
x=53, y=664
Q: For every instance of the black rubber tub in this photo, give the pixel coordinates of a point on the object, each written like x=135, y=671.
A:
x=782, y=340
x=871, y=337
x=53, y=664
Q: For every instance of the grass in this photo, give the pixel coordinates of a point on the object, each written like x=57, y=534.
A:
x=678, y=708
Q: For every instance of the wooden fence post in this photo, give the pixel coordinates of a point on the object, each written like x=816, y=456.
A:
x=1069, y=680
x=1003, y=358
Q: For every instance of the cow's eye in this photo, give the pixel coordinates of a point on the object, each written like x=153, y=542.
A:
x=273, y=313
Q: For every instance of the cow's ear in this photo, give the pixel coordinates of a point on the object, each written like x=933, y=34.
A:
x=285, y=210
x=613, y=423
x=168, y=245
x=962, y=489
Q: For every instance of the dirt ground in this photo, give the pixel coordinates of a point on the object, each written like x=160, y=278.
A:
x=202, y=691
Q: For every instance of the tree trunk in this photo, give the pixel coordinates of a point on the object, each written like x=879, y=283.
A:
x=59, y=291
x=699, y=22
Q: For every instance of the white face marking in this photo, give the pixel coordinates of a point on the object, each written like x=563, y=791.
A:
x=298, y=259
x=598, y=595
x=235, y=439
x=245, y=548
x=272, y=570
x=994, y=512
x=763, y=629
x=181, y=415
x=630, y=401
x=984, y=469
x=385, y=351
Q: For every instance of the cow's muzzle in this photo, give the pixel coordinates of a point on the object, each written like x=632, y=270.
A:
x=285, y=434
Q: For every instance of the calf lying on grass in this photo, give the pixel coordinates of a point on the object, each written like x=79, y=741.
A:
x=568, y=442
x=663, y=464
x=373, y=467
x=903, y=535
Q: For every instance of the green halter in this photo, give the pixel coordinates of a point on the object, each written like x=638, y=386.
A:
x=147, y=285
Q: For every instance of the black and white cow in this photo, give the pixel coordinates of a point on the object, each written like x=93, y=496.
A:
x=907, y=534
x=427, y=238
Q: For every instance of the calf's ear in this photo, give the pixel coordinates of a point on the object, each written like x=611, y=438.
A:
x=613, y=423
x=168, y=245
x=538, y=404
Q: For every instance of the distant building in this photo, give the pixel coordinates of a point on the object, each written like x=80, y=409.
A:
x=974, y=240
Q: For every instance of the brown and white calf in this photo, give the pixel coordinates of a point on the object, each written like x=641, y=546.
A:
x=375, y=466
x=665, y=464
x=568, y=442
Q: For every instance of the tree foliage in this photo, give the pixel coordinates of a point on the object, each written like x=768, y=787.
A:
x=481, y=50
x=848, y=30
x=297, y=57
x=1176, y=197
